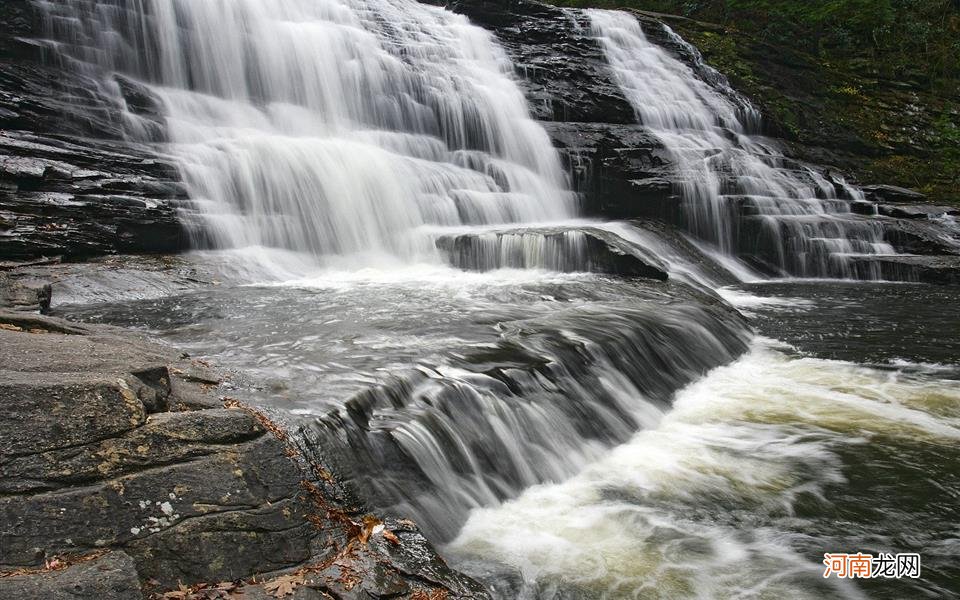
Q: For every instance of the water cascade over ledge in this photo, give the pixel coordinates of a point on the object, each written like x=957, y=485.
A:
x=572, y=408
x=739, y=193
x=324, y=127
x=370, y=138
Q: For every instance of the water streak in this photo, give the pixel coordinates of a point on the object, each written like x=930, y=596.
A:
x=324, y=127
x=738, y=191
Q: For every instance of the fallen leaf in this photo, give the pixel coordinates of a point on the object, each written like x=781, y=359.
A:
x=391, y=537
x=370, y=524
x=283, y=586
x=181, y=593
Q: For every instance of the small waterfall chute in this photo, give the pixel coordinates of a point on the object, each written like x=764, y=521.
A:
x=739, y=193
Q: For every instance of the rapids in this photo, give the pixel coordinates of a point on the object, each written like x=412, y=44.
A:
x=396, y=270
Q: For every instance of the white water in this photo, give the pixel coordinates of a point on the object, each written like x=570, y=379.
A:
x=328, y=127
x=739, y=192
x=314, y=130
x=714, y=500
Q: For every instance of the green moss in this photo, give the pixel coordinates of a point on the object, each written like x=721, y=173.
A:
x=879, y=92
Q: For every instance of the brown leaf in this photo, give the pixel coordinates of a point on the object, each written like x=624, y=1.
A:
x=283, y=586
x=181, y=593
x=369, y=523
x=391, y=537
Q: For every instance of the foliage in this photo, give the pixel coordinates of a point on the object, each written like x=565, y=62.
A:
x=877, y=81
x=914, y=39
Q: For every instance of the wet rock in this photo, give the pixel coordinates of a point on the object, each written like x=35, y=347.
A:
x=562, y=69
x=110, y=577
x=70, y=185
x=922, y=236
x=622, y=171
x=868, y=209
x=892, y=193
x=91, y=459
x=939, y=270
x=916, y=211
x=78, y=200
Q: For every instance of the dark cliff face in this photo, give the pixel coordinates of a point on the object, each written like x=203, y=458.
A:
x=70, y=185
x=620, y=169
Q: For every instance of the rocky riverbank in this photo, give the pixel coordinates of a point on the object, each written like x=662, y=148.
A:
x=126, y=473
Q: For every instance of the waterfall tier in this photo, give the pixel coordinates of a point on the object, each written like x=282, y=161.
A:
x=739, y=192
x=320, y=126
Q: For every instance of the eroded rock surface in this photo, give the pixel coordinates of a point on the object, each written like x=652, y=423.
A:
x=583, y=249
x=112, y=443
x=109, y=577
x=70, y=185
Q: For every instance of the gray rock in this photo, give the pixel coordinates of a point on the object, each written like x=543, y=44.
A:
x=582, y=249
x=70, y=185
x=562, y=69
x=110, y=577
x=24, y=293
x=91, y=459
x=916, y=211
x=892, y=193
x=940, y=270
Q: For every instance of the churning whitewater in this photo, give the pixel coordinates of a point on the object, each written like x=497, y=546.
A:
x=574, y=408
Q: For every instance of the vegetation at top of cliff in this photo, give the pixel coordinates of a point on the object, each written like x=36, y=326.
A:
x=917, y=40
x=869, y=86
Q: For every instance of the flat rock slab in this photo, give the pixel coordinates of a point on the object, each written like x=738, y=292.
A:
x=916, y=211
x=940, y=270
x=110, y=577
x=892, y=193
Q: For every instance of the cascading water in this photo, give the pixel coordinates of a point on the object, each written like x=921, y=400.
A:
x=326, y=127
x=363, y=133
x=738, y=192
x=510, y=400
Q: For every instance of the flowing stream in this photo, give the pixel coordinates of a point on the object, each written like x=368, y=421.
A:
x=323, y=127
x=401, y=276
x=739, y=192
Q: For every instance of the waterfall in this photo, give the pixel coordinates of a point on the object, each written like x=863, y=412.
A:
x=739, y=193
x=325, y=127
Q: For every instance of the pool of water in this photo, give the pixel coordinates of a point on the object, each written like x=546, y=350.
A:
x=582, y=436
